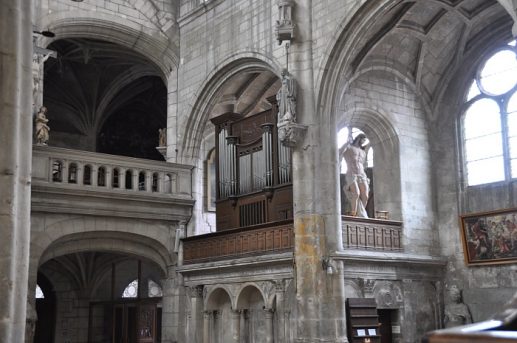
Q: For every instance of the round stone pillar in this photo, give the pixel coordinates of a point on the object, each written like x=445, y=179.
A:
x=15, y=164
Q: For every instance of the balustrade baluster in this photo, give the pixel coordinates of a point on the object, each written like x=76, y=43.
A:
x=149, y=181
x=80, y=173
x=64, y=173
x=134, y=182
x=108, y=177
x=95, y=175
x=161, y=182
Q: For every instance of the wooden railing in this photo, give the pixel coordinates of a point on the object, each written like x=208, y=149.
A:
x=254, y=240
x=371, y=234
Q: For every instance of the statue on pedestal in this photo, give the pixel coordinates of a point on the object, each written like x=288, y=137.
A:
x=286, y=99
x=162, y=140
x=357, y=183
x=42, y=129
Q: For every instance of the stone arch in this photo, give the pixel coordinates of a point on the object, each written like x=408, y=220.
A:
x=374, y=122
x=248, y=295
x=79, y=23
x=219, y=296
x=205, y=97
x=105, y=241
x=348, y=35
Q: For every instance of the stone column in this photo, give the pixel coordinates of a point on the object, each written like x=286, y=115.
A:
x=243, y=327
x=268, y=317
x=173, y=308
x=236, y=329
x=15, y=164
x=172, y=117
x=206, y=326
x=279, y=299
x=320, y=301
x=196, y=328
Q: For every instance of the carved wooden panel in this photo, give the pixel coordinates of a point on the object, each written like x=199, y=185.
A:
x=275, y=238
x=366, y=233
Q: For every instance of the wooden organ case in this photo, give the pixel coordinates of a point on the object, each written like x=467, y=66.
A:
x=253, y=171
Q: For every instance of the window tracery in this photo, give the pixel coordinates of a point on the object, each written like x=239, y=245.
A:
x=490, y=120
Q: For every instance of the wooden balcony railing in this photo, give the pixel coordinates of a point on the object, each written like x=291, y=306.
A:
x=255, y=240
x=371, y=234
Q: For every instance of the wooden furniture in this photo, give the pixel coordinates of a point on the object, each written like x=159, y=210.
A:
x=253, y=171
x=362, y=320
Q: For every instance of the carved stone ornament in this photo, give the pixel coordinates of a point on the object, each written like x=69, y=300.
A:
x=284, y=29
x=291, y=134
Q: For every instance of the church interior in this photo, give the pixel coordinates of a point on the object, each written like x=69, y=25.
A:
x=258, y=171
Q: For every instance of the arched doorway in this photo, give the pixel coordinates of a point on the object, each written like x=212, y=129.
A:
x=102, y=297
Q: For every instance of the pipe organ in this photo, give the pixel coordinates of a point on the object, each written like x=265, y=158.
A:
x=253, y=171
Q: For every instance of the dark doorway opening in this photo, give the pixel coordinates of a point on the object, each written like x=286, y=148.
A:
x=46, y=310
x=388, y=321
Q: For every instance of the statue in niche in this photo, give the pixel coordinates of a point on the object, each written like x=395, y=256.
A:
x=42, y=129
x=456, y=312
x=357, y=183
x=286, y=99
x=162, y=139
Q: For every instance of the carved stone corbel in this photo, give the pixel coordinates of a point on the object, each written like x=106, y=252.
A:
x=291, y=134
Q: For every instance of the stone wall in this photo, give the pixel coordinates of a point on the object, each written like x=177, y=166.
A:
x=485, y=288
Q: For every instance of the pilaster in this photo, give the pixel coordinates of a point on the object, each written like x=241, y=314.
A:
x=15, y=164
x=320, y=314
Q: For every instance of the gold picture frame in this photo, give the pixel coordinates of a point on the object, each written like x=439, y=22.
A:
x=489, y=237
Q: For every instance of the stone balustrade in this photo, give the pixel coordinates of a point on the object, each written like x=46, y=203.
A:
x=255, y=240
x=371, y=234
x=108, y=172
x=82, y=182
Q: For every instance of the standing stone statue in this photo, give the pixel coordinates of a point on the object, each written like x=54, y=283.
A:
x=42, y=129
x=286, y=99
x=357, y=183
x=162, y=140
x=456, y=312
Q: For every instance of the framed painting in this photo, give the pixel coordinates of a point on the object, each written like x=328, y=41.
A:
x=490, y=237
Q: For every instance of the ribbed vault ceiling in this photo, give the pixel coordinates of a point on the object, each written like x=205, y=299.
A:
x=92, y=83
x=247, y=93
x=425, y=40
